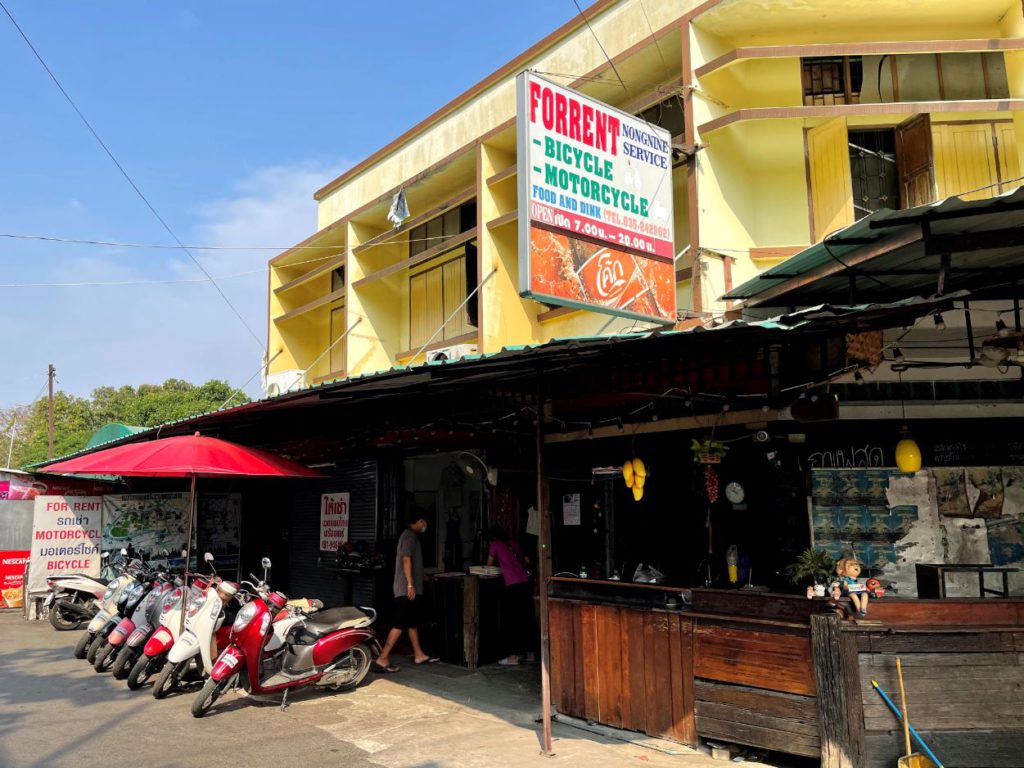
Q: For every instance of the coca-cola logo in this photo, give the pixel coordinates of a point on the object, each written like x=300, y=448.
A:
x=610, y=277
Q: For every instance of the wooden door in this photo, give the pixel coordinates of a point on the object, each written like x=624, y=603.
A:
x=337, y=330
x=828, y=175
x=965, y=160
x=915, y=164
x=1009, y=160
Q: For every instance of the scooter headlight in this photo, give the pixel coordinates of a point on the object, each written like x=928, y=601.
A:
x=244, y=617
x=171, y=599
x=196, y=605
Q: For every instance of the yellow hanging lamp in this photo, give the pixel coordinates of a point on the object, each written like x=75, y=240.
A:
x=908, y=453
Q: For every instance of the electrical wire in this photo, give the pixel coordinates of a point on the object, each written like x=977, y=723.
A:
x=654, y=38
x=116, y=244
x=127, y=177
x=117, y=283
x=599, y=45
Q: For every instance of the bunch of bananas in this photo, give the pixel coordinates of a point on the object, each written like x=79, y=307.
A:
x=635, y=474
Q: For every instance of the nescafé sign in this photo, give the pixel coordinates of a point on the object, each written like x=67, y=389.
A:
x=596, y=186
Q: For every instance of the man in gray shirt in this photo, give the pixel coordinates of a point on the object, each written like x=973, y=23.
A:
x=408, y=584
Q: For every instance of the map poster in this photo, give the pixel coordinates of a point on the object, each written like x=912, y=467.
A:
x=146, y=523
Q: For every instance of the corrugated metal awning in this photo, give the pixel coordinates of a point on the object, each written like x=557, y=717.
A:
x=950, y=245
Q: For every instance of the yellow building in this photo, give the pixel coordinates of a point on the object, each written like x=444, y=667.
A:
x=790, y=120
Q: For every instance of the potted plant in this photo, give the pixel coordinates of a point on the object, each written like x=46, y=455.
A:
x=812, y=564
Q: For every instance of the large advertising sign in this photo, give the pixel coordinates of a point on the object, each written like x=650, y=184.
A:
x=65, y=538
x=15, y=538
x=334, y=509
x=595, y=205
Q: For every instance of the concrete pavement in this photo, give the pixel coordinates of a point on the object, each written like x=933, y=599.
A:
x=56, y=712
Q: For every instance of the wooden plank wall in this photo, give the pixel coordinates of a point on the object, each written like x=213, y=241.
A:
x=783, y=722
x=624, y=667
x=776, y=659
x=755, y=685
x=676, y=676
x=965, y=694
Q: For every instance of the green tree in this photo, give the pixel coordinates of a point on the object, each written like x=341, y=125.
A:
x=77, y=418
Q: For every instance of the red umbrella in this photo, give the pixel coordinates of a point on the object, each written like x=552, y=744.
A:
x=186, y=456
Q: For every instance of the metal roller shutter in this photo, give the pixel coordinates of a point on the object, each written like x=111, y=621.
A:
x=313, y=573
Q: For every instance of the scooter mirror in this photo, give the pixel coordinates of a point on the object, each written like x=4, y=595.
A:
x=164, y=552
x=105, y=556
x=208, y=557
x=124, y=551
x=265, y=563
x=184, y=553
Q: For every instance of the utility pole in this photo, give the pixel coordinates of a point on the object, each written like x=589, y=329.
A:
x=51, y=372
x=10, y=449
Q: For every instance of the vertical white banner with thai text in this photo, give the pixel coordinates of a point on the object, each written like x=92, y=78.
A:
x=66, y=535
x=333, y=521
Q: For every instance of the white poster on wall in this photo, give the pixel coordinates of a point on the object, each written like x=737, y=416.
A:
x=333, y=521
x=66, y=537
x=571, y=509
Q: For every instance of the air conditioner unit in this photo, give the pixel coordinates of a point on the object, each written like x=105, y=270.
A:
x=285, y=381
x=451, y=353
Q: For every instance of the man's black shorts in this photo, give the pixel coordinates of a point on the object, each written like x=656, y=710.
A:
x=408, y=613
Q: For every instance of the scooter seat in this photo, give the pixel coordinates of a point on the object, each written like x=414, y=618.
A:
x=334, y=619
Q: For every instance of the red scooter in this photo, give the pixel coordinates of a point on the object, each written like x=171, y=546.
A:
x=332, y=649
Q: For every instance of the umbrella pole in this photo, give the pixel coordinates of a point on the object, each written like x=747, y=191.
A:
x=188, y=549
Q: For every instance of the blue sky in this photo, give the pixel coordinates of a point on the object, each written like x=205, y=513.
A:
x=228, y=115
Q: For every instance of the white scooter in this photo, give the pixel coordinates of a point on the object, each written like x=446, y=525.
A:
x=107, y=608
x=74, y=598
x=159, y=644
x=204, y=616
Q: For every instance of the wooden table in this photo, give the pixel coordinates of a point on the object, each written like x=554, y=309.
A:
x=931, y=578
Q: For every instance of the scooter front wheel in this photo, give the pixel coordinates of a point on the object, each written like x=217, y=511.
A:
x=82, y=646
x=142, y=670
x=123, y=666
x=95, y=647
x=212, y=690
x=169, y=678
x=106, y=657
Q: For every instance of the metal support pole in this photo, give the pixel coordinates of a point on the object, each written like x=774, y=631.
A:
x=10, y=447
x=543, y=572
x=970, y=331
x=188, y=550
x=51, y=372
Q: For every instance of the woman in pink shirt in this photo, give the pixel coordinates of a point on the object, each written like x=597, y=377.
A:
x=517, y=601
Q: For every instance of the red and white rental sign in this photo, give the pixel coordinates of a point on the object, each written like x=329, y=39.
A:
x=66, y=536
x=333, y=521
x=597, y=186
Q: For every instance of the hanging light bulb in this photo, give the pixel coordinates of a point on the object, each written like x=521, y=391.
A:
x=908, y=453
x=1001, y=328
x=897, y=354
x=858, y=377
x=940, y=324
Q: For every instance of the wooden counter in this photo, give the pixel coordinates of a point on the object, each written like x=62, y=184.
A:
x=784, y=673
